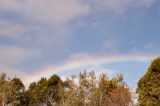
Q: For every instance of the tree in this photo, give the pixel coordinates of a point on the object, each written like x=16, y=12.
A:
x=149, y=85
x=6, y=94
x=54, y=83
x=17, y=88
x=17, y=84
x=45, y=91
x=93, y=91
x=86, y=89
x=120, y=97
x=10, y=90
x=23, y=99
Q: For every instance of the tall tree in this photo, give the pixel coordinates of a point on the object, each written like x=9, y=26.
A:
x=6, y=94
x=149, y=85
x=45, y=91
x=18, y=89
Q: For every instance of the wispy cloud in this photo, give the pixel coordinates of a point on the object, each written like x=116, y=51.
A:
x=11, y=30
x=10, y=55
x=113, y=10
x=111, y=46
x=147, y=48
x=44, y=23
x=122, y=5
x=44, y=11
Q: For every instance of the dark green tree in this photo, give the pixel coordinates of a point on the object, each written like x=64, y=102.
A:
x=32, y=86
x=17, y=84
x=45, y=91
x=17, y=88
x=149, y=85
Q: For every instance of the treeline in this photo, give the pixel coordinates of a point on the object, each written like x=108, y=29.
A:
x=86, y=89
x=83, y=90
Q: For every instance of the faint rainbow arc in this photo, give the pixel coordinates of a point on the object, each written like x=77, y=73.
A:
x=83, y=61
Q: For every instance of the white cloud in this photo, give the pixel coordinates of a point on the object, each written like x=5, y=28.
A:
x=44, y=22
x=61, y=11
x=46, y=11
x=13, y=55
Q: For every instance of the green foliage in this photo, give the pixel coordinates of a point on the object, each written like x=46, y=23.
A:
x=82, y=90
x=32, y=86
x=45, y=92
x=17, y=84
x=149, y=85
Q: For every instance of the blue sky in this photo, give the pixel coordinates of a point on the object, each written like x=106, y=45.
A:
x=43, y=33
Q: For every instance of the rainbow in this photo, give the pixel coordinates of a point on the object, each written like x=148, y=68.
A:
x=82, y=61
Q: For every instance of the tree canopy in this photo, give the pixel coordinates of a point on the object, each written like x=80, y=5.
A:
x=149, y=85
x=86, y=89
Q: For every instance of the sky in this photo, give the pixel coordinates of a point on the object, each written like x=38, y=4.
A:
x=39, y=38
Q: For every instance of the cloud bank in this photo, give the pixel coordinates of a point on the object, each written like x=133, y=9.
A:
x=46, y=11
x=13, y=55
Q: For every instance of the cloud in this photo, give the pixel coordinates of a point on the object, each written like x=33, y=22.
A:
x=58, y=12
x=10, y=55
x=111, y=46
x=79, y=55
x=35, y=34
x=108, y=11
x=150, y=47
x=146, y=3
x=122, y=5
x=46, y=11
x=51, y=16
x=44, y=23
x=11, y=30
x=147, y=48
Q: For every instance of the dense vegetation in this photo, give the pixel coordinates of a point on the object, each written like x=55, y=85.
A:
x=149, y=86
x=87, y=91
